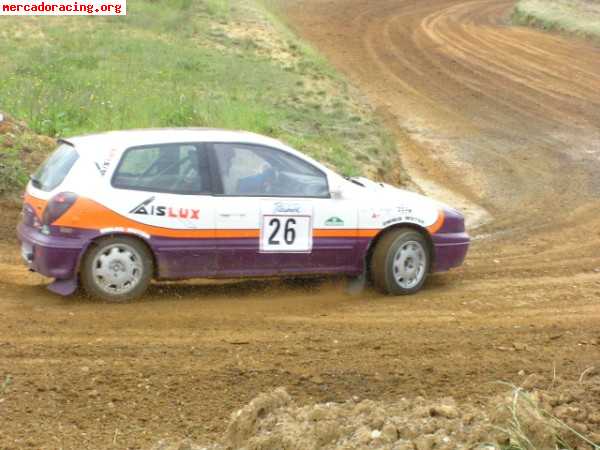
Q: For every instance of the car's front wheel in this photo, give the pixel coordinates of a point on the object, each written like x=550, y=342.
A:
x=400, y=262
x=117, y=269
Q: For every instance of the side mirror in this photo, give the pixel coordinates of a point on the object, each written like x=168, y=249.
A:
x=336, y=186
x=336, y=192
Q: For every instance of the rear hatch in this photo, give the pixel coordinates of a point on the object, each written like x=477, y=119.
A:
x=54, y=170
x=44, y=199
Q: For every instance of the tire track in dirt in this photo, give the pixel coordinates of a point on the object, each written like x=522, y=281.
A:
x=487, y=93
x=507, y=118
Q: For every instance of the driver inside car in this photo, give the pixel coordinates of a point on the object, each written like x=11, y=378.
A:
x=235, y=183
x=261, y=183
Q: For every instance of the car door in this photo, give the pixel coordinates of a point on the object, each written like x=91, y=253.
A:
x=275, y=215
x=164, y=193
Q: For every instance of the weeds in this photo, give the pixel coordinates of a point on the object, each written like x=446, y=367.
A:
x=12, y=171
x=5, y=384
x=574, y=16
x=530, y=427
x=220, y=9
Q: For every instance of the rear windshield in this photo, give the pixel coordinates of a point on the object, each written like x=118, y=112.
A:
x=55, y=168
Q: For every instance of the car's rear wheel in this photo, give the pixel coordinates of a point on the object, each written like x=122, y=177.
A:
x=400, y=262
x=117, y=269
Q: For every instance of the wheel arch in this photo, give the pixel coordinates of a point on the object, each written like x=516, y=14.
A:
x=138, y=237
x=421, y=230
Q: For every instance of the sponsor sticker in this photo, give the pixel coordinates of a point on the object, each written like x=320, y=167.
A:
x=411, y=219
x=287, y=208
x=334, y=222
x=146, y=208
x=106, y=163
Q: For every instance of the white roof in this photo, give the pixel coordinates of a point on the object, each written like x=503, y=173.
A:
x=121, y=140
x=129, y=138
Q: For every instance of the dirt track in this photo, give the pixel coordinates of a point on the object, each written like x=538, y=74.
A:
x=505, y=120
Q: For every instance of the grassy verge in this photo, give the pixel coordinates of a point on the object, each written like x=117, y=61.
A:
x=213, y=63
x=580, y=17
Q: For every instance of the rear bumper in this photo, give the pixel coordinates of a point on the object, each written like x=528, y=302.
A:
x=51, y=256
x=450, y=250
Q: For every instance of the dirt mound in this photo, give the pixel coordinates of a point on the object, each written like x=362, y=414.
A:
x=21, y=151
x=543, y=413
x=273, y=421
x=538, y=415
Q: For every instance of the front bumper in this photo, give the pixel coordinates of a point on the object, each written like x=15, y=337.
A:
x=51, y=256
x=450, y=250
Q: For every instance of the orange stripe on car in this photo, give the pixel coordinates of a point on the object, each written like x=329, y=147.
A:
x=37, y=204
x=329, y=232
x=250, y=233
x=89, y=215
x=434, y=228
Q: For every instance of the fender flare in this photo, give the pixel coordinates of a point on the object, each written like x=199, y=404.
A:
x=424, y=231
x=116, y=232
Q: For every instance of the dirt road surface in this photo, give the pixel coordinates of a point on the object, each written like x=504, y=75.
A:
x=503, y=120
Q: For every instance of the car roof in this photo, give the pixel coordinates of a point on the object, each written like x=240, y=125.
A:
x=148, y=136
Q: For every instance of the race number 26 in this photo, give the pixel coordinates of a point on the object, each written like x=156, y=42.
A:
x=286, y=234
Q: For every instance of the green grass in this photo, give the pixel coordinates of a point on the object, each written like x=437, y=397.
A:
x=580, y=17
x=220, y=9
x=166, y=64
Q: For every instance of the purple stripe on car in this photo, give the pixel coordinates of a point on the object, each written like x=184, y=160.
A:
x=58, y=256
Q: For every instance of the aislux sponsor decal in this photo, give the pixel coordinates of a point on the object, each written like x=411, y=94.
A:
x=147, y=208
x=106, y=163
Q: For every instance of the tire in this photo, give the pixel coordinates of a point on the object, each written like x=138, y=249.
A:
x=398, y=249
x=124, y=262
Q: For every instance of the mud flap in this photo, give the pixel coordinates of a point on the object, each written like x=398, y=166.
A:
x=63, y=287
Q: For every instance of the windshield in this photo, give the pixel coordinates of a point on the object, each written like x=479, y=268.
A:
x=55, y=168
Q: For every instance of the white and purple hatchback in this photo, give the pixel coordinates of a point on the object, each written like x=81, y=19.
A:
x=113, y=211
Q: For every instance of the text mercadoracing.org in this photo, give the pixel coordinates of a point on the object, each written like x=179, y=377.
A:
x=62, y=8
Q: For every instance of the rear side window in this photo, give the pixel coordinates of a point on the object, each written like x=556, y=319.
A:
x=54, y=170
x=171, y=168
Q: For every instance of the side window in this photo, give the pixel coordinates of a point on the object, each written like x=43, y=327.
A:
x=174, y=168
x=249, y=170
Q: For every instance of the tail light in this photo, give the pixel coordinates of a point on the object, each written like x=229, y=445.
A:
x=56, y=207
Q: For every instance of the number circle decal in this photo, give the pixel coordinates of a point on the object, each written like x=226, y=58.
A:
x=286, y=234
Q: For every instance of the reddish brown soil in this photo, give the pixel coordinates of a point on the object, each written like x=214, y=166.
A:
x=507, y=118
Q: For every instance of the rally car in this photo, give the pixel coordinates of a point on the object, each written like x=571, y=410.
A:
x=113, y=211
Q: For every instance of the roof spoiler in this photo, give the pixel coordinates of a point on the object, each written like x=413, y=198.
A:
x=64, y=141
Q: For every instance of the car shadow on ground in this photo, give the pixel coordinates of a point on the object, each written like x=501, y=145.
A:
x=237, y=289
x=209, y=290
